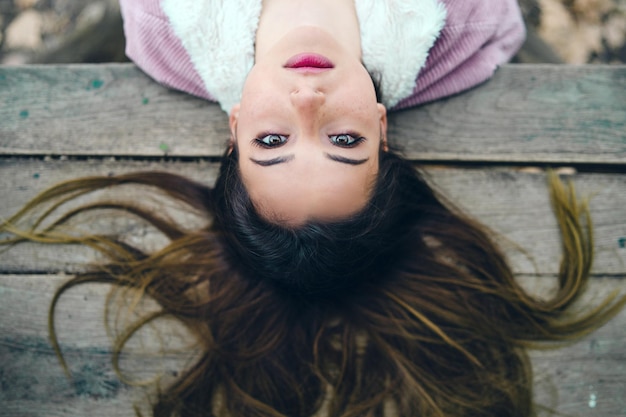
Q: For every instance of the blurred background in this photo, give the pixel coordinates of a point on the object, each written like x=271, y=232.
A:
x=65, y=31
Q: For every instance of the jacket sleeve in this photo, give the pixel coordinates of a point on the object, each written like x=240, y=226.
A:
x=478, y=36
x=152, y=44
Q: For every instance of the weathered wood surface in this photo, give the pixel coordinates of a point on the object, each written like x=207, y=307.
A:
x=526, y=113
x=32, y=380
x=513, y=203
x=585, y=379
x=113, y=119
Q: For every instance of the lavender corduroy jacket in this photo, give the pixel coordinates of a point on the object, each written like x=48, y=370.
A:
x=430, y=49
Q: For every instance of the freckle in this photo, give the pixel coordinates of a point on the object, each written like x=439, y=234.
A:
x=24, y=114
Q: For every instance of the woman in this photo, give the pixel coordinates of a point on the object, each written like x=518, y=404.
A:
x=307, y=125
x=296, y=75
x=331, y=279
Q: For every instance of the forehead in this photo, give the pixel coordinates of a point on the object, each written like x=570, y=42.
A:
x=304, y=190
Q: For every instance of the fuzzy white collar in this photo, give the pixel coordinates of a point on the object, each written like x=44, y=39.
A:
x=219, y=35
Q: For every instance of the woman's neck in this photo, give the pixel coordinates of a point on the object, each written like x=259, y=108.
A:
x=337, y=17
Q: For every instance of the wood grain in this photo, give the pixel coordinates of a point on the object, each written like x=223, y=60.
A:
x=111, y=109
x=514, y=203
x=34, y=384
x=525, y=114
x=67, y=121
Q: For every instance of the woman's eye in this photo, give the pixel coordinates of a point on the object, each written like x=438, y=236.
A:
x=271, y=140
x=345, y=140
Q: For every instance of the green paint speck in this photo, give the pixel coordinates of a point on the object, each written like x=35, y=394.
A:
x=145, y=101
x=164, y=147
x=24, y=114
x=622, y=242
x=97, y=83
x=36, y=175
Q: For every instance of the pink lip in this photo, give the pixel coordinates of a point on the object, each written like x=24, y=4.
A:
x=309, y=62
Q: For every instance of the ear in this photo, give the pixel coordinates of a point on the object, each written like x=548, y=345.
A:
x=382, y=113
x=232, y=121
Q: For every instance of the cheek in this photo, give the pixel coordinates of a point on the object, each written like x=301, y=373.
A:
x=256, y=91
x=363, y=89
x=356, y=100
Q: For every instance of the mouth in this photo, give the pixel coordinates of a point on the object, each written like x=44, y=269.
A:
x=309, y=62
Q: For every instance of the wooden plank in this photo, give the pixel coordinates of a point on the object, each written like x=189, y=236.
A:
x=111, y=109
x=32, y=379
x=525, y=114
x=34, y=385
x=514, y=203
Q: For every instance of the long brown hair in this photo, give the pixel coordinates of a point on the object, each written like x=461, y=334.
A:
x=441, y=330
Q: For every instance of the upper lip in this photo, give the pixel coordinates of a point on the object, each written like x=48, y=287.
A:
x=309, y=60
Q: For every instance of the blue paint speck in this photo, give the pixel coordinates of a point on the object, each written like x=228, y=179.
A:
x=622, y=242
x=36, y=175
x=24, y=114
x=94, y=382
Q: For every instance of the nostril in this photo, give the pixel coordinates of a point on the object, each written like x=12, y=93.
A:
x=307, y=95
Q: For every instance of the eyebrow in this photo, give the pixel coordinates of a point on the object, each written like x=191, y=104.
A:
x=273, y=161
x=288, y=158
x=345, y=160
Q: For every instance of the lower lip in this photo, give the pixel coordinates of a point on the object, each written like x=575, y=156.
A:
x=309, y=62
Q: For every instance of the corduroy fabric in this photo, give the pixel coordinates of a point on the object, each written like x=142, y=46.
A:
x=152, y=44
x=477, y=38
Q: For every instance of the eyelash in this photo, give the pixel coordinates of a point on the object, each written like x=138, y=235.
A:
x=261, y=144
x=357, y=139
x=259, y=140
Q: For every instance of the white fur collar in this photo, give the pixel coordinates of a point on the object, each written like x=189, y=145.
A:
x=396, y=36
x=218, y=35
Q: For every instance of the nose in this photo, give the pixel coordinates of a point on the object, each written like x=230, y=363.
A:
x=307, y=99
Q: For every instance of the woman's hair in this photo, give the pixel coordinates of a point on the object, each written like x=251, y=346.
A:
x=319, y=259
x=407, y=309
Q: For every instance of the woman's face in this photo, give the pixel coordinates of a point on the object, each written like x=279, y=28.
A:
x=308, y=131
